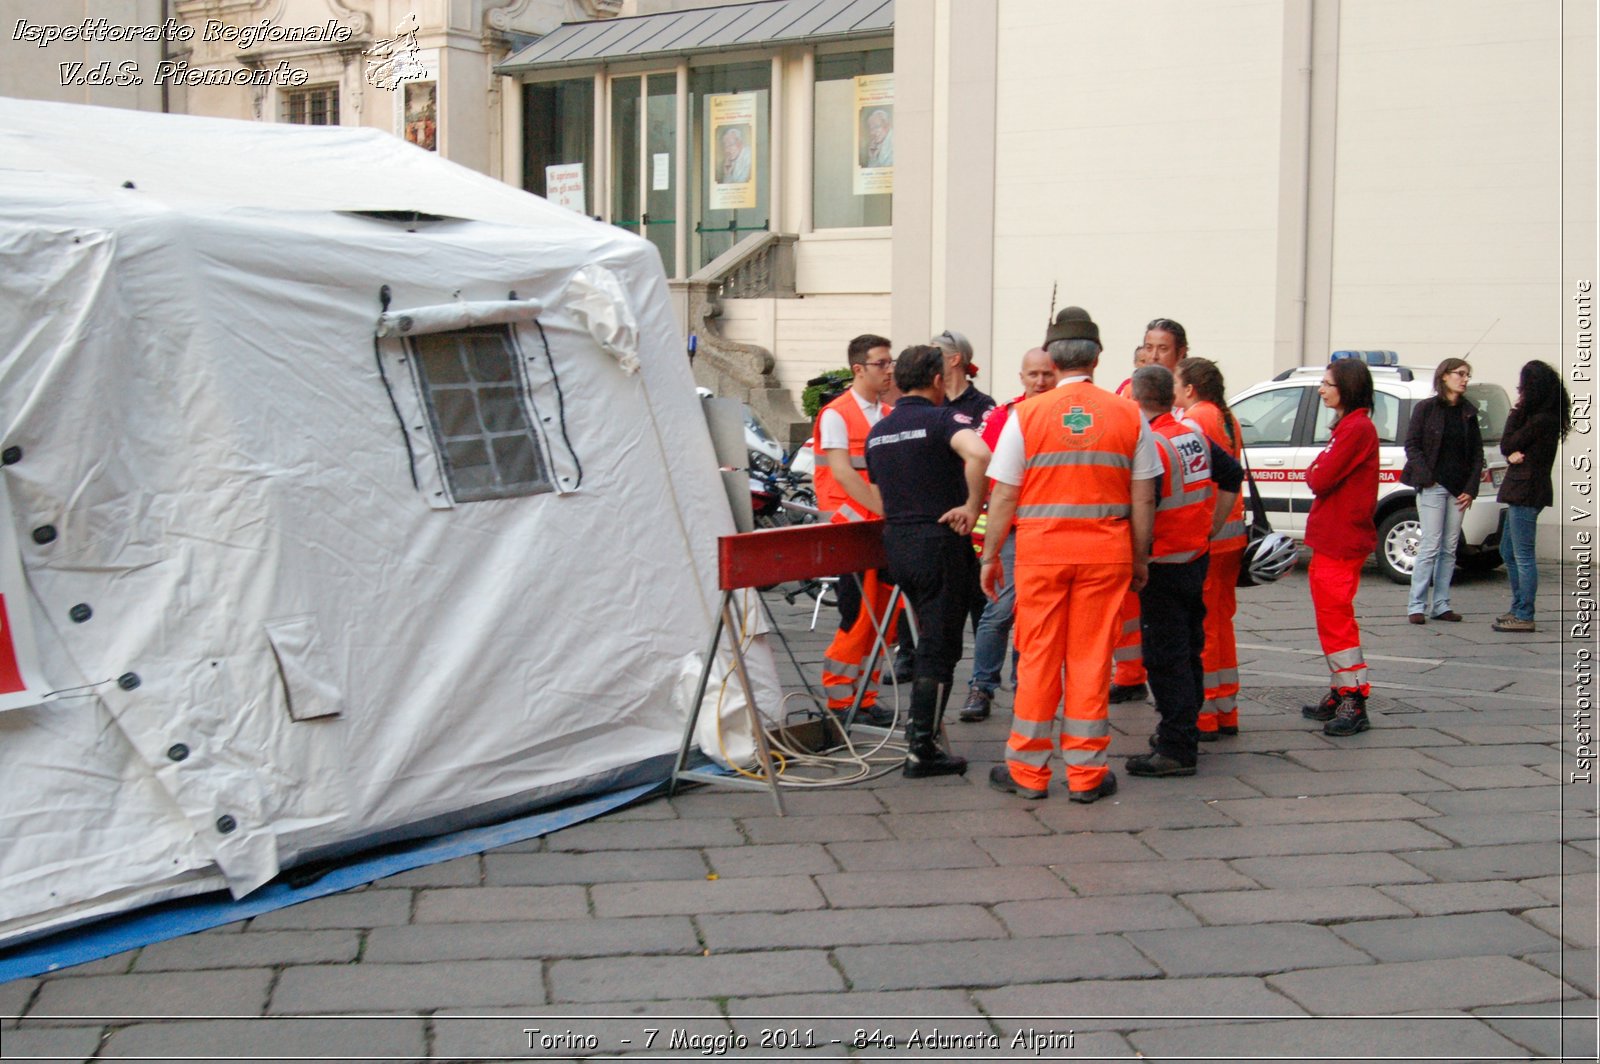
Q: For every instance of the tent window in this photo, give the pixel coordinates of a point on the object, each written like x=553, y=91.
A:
x=477, y=407
x=317, y=106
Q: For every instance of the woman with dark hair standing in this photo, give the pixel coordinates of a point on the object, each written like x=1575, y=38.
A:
x=1444, y=460
x=1533, y=433
x=1200, y=392
x=1340, y=532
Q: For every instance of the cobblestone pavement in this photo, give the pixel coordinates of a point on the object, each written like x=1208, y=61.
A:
x=1425, y=890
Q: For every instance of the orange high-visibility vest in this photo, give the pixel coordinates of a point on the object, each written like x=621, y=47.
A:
x=1206, y=415
x=1188, y=495
x=1077, y=487
x=830, y=496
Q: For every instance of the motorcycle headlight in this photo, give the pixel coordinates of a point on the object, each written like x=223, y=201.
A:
x=762, y=463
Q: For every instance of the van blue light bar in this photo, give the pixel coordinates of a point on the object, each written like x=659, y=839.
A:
x=1371, y=358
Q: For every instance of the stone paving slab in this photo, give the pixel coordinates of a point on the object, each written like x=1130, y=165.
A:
x=1540, y=797
x=1327, y=870
x=1133, y=1004
x=607, y=866
x=845, y=927
x=717, y=976
x=1544, y=1032
x=1495, y=829
x=1519, y=861
x=69, y=1044
x=1579, y=968
x=978, y=885
x=1498, y=756
x=459, y=872
x=1256, y=949
x=1282, y=840
x=1331, y=1039
x=1324, y=810
x=1307, y=904
x=1437, y=899
x=1085, y=916
x=606, y=834
x=394, y=1039
x=359, y=988
x=901, y=856
x=1573, y=888
x=1367, y=759
x=1082, y=848
x=779, y=859
x=530, y=940
x=359, y=908
x=1154, y=877
x=998, y=963
x=1573, y=924
x=1417, y=985
x=1308, y=783
x=1130, y=812
x=235, y=992
x=712, y=802
x=14, y=997
x=1455, y=935
x=1491, y=777
x=977, y=823
x=254, y=949
x=688, y=897
x=766, y=830
x=460, y=905
x=556, y=1032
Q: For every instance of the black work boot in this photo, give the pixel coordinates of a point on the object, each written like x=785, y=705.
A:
x=925, y=758
x=1322, y=710
x=977, y=707
x=905, y=660
x=1350, y=717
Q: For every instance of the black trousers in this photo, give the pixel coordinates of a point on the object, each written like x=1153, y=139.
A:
x=938, y=572
x=1172, y=614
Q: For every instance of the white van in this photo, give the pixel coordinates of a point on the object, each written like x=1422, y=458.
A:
x=1285, y=425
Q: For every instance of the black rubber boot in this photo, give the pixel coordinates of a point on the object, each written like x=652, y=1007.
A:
x=1323, y=710
x=1350, y=717
x=925, y=758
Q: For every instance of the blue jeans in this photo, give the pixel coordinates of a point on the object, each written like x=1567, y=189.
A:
x=1516, y=547
x=1440, y=518
x=994, y=628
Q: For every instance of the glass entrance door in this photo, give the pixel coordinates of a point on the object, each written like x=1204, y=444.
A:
x=644, y=156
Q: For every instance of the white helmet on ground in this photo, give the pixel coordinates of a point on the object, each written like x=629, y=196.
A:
x=1267, y=558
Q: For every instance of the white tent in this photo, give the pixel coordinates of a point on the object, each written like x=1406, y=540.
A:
x=282, y=602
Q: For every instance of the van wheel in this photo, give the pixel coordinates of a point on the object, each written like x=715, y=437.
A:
x=1398, y=537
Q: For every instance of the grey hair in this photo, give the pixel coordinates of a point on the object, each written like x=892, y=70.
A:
x=1073, y=354
x=1153, y=384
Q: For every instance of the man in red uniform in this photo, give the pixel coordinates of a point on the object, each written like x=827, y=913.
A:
x=1074, y=471
x=844, y=489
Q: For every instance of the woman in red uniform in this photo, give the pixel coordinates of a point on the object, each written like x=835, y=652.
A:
x=1344, y=482
x=1200, y=394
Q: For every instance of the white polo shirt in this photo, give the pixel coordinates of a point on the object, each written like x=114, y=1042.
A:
x=1011, y=459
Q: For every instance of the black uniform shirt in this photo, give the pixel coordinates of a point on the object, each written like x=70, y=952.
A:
x=973, y=403
x=910, y=460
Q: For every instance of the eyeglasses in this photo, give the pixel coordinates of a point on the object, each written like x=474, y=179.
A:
x=882, y=363
x=1463, y=373
x=1327, y=384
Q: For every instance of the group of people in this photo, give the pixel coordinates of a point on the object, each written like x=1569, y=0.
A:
x=1112, y=535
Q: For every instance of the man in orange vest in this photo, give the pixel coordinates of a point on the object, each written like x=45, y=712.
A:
x=844, y=489
x=1074, y=471
x=1199, y=482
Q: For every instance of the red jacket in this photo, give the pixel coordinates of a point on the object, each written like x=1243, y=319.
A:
x=1344, y=481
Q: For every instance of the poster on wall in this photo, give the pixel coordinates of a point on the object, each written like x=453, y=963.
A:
x=422, y=114
x=874, y=133
x=732, y=147
x=563, y=186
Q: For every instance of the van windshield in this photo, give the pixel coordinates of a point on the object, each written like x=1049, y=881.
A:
x=1493, y=406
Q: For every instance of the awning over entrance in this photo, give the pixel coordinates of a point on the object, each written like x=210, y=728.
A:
x=764, y=23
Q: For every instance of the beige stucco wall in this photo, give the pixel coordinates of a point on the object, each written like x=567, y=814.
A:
x=1137, y=159
x=31, y=71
